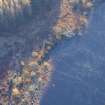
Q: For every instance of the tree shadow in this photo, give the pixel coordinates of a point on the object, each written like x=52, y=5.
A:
x=33, y=31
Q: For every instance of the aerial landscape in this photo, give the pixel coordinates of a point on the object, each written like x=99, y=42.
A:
x=52, y=52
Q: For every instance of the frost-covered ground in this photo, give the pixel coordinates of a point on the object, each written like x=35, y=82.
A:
x=79, y=75
x=48, y=18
